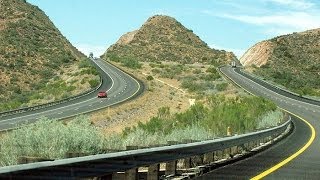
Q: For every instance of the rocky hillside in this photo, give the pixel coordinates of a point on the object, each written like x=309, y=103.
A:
x=162, y=38
x=291, y=60
x=37, y=64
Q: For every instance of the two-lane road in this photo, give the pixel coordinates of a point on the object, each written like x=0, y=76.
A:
x=119, y=85
x=295, y=157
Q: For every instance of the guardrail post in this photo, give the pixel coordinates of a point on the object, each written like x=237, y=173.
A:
x=227, y=153
x=208, y=158
x=131, y=174
x=186, y=162
x=153, y=172
x=171, y=168
x=219, y=155
x=197, y=160
x=234, y=151
x=245, y=147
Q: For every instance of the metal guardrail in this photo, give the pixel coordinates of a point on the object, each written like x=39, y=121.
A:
x=41, y=106
x=103, y=164
x=277, y=89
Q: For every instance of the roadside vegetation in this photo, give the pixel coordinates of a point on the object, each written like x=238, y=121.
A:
x=52, y=86
x=130, y=62
x=195, y=78
x=53, y=139
x=37, y=63
x=295, y=63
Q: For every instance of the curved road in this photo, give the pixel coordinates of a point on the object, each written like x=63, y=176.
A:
x=295, y=157
x=120, y=87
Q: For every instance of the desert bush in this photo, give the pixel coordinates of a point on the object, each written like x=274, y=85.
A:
x=50, y=139
x=94, y=83
x=149, y=78
x=221, y=86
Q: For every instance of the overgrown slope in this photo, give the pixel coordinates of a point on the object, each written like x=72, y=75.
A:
x=162, y=38
x=291, y=60
x=37, y=64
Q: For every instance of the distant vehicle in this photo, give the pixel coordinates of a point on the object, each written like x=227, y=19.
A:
x=102, y=94
x=91, y=55
x=233, y=64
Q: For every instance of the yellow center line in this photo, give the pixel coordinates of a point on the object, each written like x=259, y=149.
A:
x=282, y=163
x=290, y=158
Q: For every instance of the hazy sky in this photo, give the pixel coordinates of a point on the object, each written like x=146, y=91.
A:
x=233, y=25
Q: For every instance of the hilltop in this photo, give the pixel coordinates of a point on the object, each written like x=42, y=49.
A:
x=291, y=60
x=37, y=63
x=162, y=38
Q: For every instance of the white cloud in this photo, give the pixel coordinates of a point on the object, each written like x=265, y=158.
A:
x=237, y=52
x=285, y=22
x=86, y=49
x=298, y=4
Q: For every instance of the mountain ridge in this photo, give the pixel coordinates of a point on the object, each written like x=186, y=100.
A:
x=163, y=38
x=291, y=60
x=36, y=61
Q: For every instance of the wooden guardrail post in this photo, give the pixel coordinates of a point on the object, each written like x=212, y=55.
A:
x=153, y=172
x=219, y=155
x=226, y=153
x=234, y=151
x=186, y=163
x=208, y=158
x=131, y=174
x=197, y=160
x=171, y=168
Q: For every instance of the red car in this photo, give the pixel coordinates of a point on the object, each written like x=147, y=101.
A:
x=102, y=94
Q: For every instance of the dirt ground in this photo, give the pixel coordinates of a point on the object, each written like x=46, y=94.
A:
x=159, y=92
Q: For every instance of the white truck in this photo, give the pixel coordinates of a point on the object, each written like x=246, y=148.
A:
x=233, y=64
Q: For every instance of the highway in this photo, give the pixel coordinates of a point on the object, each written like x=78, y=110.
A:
x=119, y=85
x=295, y=157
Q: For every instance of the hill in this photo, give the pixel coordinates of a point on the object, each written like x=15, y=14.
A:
x=290, y=60
x=162, y=38
x=37, y=63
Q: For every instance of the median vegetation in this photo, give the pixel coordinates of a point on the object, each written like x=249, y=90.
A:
x=52, y=87
x=53, y=139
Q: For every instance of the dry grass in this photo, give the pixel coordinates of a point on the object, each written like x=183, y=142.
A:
x=157, y=94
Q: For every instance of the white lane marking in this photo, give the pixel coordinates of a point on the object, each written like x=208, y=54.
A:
x=274, y=91
x=60, y=112
x=90, y=105
x=106, y=73
x=99, y=107
x=63, y=107
x=76, y=109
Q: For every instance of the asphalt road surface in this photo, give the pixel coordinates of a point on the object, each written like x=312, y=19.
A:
x=119, y=86
x=295, y=157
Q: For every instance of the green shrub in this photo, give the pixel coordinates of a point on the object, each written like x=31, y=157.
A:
x=131, y=63
x=149, y=78
x=50, y=139
x=93, y=83
x=221, y=86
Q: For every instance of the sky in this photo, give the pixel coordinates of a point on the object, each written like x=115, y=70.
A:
x=232, y=25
